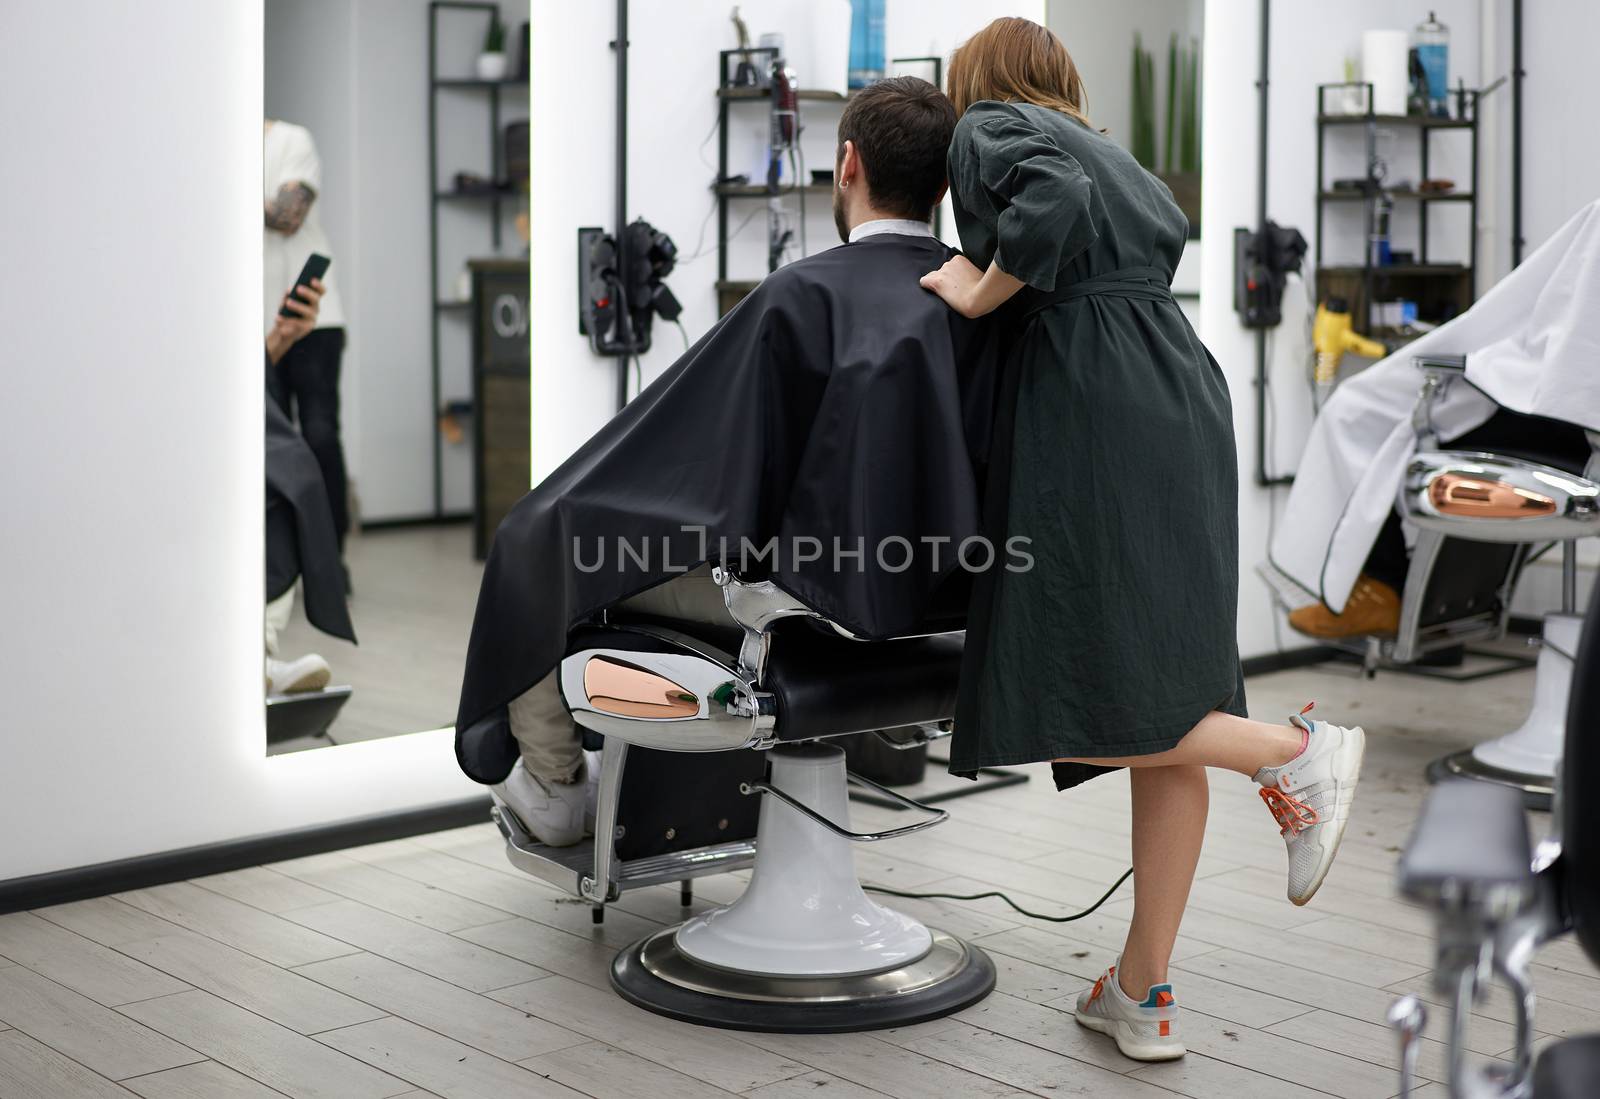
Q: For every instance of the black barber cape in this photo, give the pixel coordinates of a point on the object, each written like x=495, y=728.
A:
x=839, y=400
x=300, y=537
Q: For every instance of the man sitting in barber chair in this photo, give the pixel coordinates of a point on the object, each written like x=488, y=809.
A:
x=839, y=402
x=301, y=544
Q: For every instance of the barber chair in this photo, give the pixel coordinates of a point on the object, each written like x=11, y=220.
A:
x=717, y=757
x=304, y=714
x=1478, y=517
x=1496, y=902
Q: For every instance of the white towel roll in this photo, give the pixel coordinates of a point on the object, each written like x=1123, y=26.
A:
x=1385, y=65
x=830, y=46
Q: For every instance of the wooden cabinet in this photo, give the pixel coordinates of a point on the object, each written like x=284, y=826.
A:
x=502, y=447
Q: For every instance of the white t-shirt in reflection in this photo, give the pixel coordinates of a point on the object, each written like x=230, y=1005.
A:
x=291, y=157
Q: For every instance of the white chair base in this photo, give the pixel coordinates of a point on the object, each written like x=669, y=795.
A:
x=804, y=914
x=1535, y=747
x=1527, y=757
x=804, y=949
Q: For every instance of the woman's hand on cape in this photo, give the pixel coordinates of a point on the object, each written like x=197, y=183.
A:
x=968, y=291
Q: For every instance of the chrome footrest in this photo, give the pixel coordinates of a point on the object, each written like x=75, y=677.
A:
x=572, y=868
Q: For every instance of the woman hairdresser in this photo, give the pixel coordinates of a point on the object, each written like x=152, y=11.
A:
x=1115, y=457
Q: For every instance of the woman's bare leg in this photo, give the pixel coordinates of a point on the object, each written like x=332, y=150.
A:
x=1169, y=823
x=1170, y=798
x=1220, y=740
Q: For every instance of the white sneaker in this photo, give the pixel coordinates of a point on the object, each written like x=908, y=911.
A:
x=1310, y=796
x=551, y=812
x=309, y=673
x=1146, y=1031
x=591, y=792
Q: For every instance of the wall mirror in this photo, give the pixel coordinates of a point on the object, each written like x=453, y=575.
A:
x=395, y=144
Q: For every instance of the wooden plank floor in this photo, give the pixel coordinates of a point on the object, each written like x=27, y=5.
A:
x=430, y=967
x=406, y=673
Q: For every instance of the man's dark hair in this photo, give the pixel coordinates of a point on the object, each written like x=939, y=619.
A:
x=901, y=128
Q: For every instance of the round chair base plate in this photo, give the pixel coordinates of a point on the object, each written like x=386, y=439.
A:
x=656, y=976
x=1537, y=790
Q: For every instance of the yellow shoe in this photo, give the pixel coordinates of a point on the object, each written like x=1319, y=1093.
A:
x=1373, y=608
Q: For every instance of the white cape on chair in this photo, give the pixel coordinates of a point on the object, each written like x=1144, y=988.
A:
x=1532, y=345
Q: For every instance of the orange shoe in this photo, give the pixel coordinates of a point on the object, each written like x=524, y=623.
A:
x=1373, y=608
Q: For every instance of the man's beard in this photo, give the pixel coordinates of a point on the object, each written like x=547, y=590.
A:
x=839, y=221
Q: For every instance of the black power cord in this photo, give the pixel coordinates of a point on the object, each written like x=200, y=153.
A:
x=1104, y=897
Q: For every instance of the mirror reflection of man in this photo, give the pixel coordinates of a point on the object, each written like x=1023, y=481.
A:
x=305, y=384
x=302, y=549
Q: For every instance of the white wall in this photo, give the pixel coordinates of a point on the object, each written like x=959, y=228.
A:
x=672, y=108
x=131, y=471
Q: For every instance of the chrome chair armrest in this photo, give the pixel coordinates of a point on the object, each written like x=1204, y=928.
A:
x=1470, y=851
x=1497, y=498
x=1438, y=372
x=755, y=607
x=1470, y=860
x=659, y=688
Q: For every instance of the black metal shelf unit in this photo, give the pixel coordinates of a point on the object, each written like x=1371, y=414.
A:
x=729, y=291
x=1443, y=285
x=488, y=199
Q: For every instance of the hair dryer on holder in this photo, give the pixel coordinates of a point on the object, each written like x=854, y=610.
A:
x=1332, y=335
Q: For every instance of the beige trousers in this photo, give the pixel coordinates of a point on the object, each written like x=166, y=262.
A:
x=541, y=724
x=279, y=611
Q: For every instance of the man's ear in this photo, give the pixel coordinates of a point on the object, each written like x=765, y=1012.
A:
x=849, y=169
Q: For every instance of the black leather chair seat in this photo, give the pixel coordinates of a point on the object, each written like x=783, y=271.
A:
x=1568, y=1070
x=828, y=685
x=1531, y=438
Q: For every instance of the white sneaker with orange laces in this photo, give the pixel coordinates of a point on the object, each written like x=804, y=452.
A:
x=1311, y=796
x=1144, y=1031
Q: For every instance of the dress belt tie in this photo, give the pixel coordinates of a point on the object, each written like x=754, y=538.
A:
x=1142, y=283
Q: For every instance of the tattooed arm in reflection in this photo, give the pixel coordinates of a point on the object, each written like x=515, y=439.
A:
x=286, y=210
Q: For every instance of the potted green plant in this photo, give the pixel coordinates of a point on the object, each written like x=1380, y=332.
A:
x=1181, y=142
x=492, y=61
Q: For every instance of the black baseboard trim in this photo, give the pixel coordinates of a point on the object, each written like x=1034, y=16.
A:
x=1287, y=659
x=60, y=886
x=402, y=522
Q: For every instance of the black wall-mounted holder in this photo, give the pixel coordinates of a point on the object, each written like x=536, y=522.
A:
x=616, y=310
x=593, y=260
x=1262, y=263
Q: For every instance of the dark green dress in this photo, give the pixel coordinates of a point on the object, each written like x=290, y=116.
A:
x=1114, y=455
